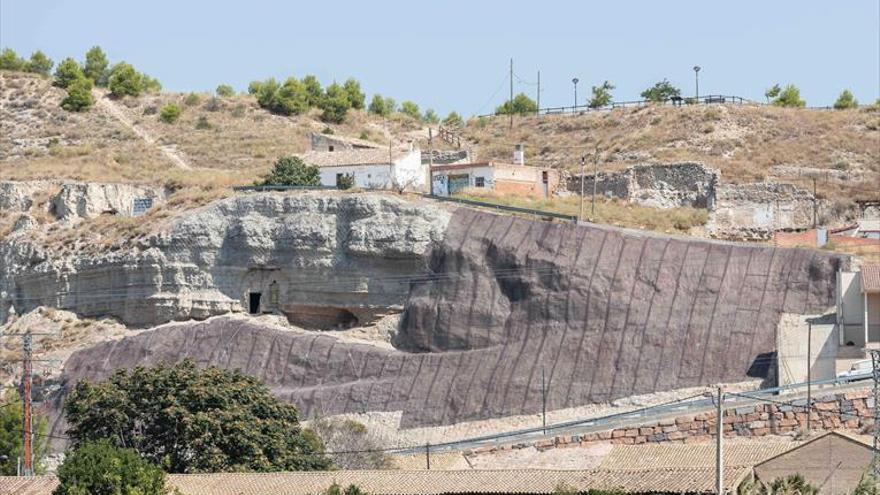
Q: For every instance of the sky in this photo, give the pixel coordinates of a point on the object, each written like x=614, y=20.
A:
x=455, y=55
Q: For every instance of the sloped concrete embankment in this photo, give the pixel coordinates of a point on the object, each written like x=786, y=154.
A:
x=604, y=313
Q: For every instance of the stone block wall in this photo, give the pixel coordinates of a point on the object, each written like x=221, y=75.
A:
x=754, y=211
x=851, y=411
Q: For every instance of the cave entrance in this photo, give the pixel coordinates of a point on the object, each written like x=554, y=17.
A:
x=321, y=317
x=254, y=302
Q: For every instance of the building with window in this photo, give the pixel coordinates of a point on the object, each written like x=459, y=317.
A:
x=371, y=168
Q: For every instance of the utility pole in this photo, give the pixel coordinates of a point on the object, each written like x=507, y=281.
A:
x=510, y=109
x=583, y=162
x=27, y=429
x=543, y=402
x=875, y=460
x=430, y=161
x=719, y=444
x=809, y=373
x=537, y=112
x=428, y=455
x=595, y=182
x=815, y=219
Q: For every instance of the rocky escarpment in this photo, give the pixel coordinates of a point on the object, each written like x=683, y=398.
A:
x=321, y=259
x=600, y=312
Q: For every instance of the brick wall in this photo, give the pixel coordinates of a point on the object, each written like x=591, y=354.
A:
x=851, y=411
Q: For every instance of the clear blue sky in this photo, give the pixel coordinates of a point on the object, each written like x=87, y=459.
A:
x=453, y=55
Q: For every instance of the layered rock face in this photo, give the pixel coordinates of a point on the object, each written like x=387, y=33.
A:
x=658, y=186
x=325, y=259
x=604, y=313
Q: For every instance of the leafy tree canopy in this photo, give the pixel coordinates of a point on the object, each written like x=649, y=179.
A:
x=846, y=100
x=313, y=90
x=101, y=468
x=170, y=112
x=67, y=72
x=335, y=104
x=521, y=105
x=410, y=108
x=453, y=120
x=601, y=95
x=97, y=66
x=661, y=91
x=772, y=92
x=190, y=420
x=10, y=435
x=9, y=60
x=430, y=116
x=790, y=96
x=353, y=91
x=79, y=96
x=292, y=171
x=225, y=91
x=125, y=80
x=380, y=105
x=40, y=63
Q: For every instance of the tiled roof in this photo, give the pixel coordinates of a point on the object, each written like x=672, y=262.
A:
x=870, y=277
x=351, y=140
x=697, y=455
x=693, y=480
x=350, y=157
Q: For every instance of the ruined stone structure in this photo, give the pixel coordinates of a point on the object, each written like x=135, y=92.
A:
x=489, y=302
x=658, y=186
x=754, y=211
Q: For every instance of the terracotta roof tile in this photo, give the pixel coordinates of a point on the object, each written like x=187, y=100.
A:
x=698, y=455
x=870, y=277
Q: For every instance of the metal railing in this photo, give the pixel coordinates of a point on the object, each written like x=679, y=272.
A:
x=678, y=102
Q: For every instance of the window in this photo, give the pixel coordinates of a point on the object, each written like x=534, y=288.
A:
x=479, y=182
x=330, y=148
x=544, y=176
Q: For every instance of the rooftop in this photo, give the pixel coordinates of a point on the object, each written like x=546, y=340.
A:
x=460, y=166
x=870, y=274
x=351, y=157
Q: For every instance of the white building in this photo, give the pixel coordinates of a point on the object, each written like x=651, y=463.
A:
x=371, y=168
x=858, y=306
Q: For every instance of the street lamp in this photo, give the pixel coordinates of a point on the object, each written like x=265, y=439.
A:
x=697, y=77
x=575, y=81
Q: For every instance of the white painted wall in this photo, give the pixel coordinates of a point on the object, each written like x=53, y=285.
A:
x=441, y=178
x=792, y=334
x=365, y=176
x=851, y=308
x=410, y=170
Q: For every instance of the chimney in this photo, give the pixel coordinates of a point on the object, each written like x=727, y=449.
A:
x=519, y=155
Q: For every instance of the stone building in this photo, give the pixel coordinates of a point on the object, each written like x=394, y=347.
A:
x=330, y=142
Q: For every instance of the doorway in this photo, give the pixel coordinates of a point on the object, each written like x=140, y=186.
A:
x=254, y=302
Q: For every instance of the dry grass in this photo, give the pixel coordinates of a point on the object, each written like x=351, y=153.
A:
x=613, y=212
x=744, y=142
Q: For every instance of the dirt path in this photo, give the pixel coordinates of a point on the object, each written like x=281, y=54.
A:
x=106, y=105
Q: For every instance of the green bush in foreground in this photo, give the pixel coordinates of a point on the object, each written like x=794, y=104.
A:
x=292, y=171
x=101, y=468
x=170, y=113
x=225, y=91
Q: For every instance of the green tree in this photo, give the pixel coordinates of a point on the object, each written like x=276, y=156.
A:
x=453, y=120
x=377, y=106
x=314, y=92
x=292, y=171
x=192, y=420
x=125, y=80
x=79, y=96
x=345, y=181
x=335, y=104
x=430, y=116
x=225, y=91
x=291, y=98
x=170, y=112
x=265, y=92
x=353, y=91
x=192, y=99
x=790, y=96
x=40, y=63
x=601, y=95
x=661, y=91
x=772, y=92
x=150, y=84
x=101, y=468
x=254, y=87
x=410, y=109
x=390, y=105
x=10, y=435
x=520, y=105
x=67, y=72
x=9, y=60
x=846, y=100
x=96, y=67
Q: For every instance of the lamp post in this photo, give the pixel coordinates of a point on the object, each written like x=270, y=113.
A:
x=575, y=82
x=697, y=78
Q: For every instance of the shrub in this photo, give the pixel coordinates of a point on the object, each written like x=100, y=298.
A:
x=67, y=72
x=287, y=99
x=601, y=95
x=661, y=92
x=9, y=60
x=96, y=67
x=150, y=84
x=521, y=105
x=453, y=120
x=409, y=108
x=772, y=92
x=327, y=130
x=377, y=106
x=353, y=91
x=430, y=116
x=292, y=171
x=101, y=468
x=846, y=100
x=40, y=63
x=125, y=80
x=79, y=96
x=225, y=91
x=170, y=112
x=254, y=87
x=345, y=181
x=213, y=104
x=10, y=435
x=790, y=96
x=335, y=104
x=362, y=448
x=225, y=420
x=390, y=104
x=192, y=99
x=202, y=124
x=314, y=92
